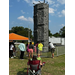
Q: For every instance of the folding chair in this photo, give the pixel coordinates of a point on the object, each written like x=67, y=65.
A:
x=35, y=67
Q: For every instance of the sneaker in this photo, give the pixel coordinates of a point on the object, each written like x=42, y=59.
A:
x=31, y=59
x=12, y=57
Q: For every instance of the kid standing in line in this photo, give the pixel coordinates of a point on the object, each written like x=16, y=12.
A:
x=39, y=58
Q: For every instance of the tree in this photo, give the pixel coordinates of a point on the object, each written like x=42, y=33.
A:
x=56, y=35
x=62, y=32
x=10, y=31
x=17, y=29
x=21, y=31
x=50, y=34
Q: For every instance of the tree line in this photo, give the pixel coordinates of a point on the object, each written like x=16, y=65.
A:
x=26, y=31
x=61, y=33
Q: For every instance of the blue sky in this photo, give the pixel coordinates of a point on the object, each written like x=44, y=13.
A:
x=21, y=14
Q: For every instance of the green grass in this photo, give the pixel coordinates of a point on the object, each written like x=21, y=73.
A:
x=54, y=66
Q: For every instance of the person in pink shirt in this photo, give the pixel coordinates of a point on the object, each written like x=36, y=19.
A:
x=31, y=47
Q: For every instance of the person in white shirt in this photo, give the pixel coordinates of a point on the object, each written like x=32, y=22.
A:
x=52, y=48
x=11, y=49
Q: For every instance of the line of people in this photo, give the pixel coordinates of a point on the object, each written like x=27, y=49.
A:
x=37, y=49
x=29, y=48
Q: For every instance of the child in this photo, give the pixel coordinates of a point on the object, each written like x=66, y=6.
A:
x=39, y=58
x=31, y=47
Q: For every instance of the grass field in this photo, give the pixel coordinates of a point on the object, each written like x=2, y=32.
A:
x=54, y=66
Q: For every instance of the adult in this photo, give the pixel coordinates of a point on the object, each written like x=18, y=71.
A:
x=40, y=47
x=14, y=52
x=31, y=50
x=22, y=49
x=11, y=49
x=52, y=48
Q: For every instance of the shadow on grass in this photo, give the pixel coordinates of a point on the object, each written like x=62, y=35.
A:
x=24, y=72
x=18, y=57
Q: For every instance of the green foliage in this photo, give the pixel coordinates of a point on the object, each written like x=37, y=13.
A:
x=62, y=32
x=25, y=32
x=50, y=34
x=21, y=31
x=56, y=35
x=17, y=29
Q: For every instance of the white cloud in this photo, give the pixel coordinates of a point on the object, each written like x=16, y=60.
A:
x=50, y=1
x=22, y=12
x=30, y=19
x=61, y=14
x=30, y=2
x=51, y=10
x=61, y=1
x=34, y=1
x=22, y=18
x=55, y=5
x=62, y=25
x=25, y=19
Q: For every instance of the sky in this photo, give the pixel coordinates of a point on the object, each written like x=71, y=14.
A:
x=21, y=14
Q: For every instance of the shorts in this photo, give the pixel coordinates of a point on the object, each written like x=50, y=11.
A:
x=30, y=50
x=52, y=50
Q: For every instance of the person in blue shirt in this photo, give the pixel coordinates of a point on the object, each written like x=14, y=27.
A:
x=22, y=49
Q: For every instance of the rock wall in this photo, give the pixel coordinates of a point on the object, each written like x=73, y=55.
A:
x=41, y=24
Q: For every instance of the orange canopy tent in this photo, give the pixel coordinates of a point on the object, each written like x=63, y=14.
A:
x=13, y=36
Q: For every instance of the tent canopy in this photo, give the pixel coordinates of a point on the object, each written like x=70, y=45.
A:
x=13, y=36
